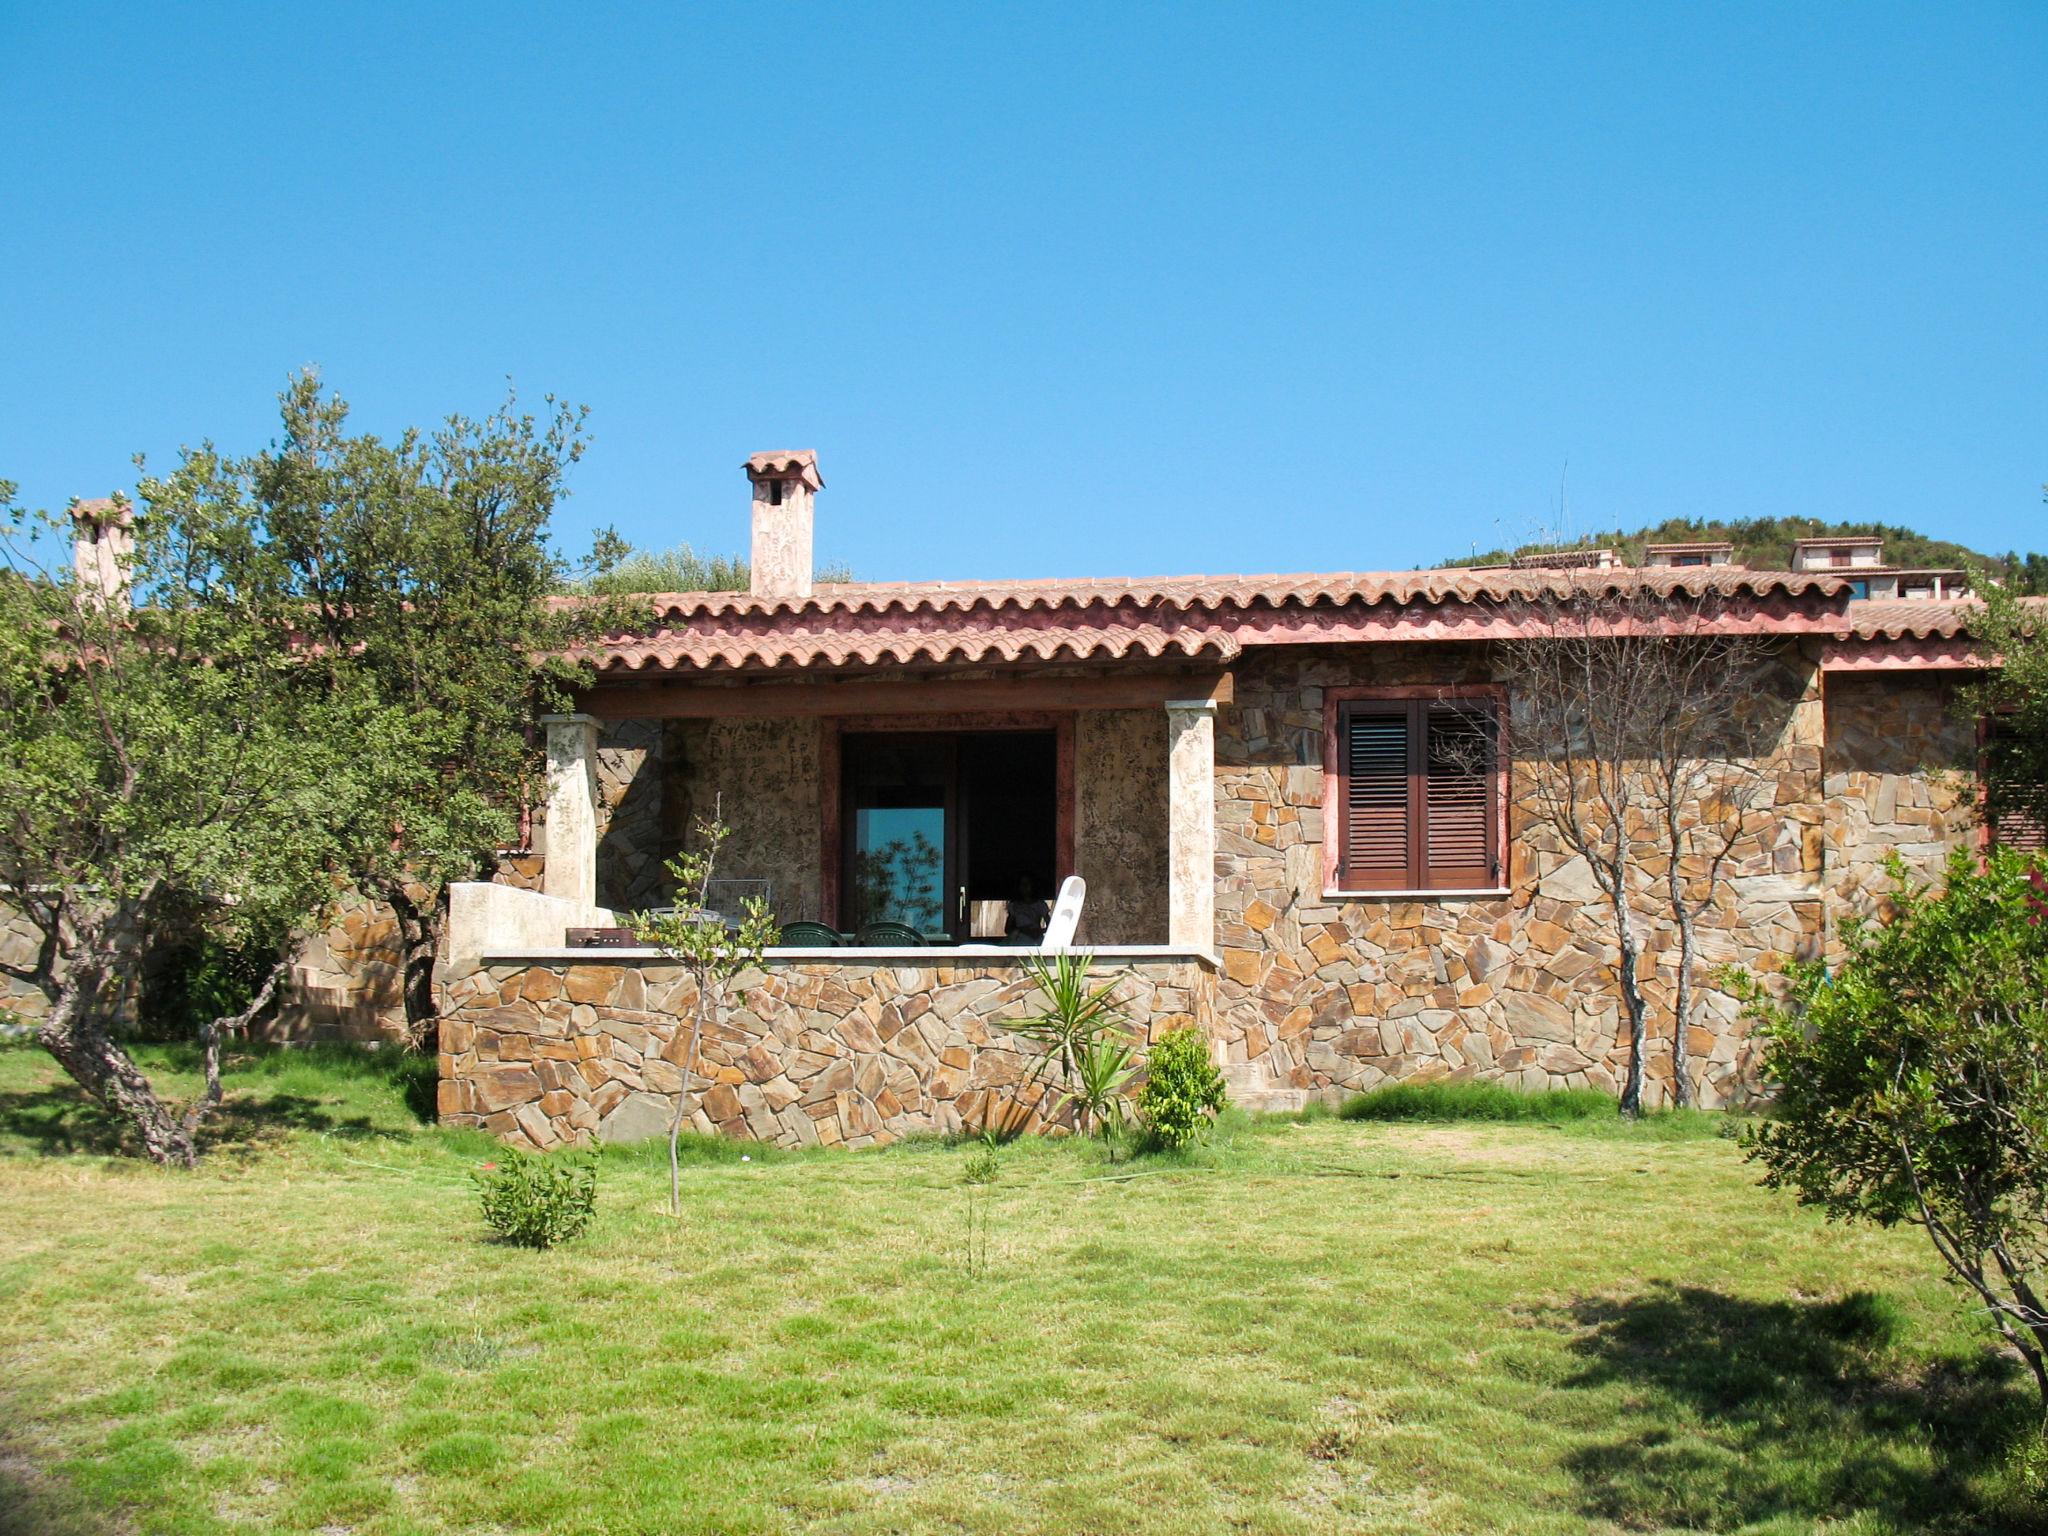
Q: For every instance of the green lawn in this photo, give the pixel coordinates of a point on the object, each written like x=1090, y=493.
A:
x=1322, y=1326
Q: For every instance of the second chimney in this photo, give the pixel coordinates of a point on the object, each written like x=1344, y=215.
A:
x=784, y=485
x=102, y=544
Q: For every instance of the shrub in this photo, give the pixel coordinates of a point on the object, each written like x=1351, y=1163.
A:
x=1912, y=1083
x=1182, y=1088
x=538, y=1202
x=1477, y=1101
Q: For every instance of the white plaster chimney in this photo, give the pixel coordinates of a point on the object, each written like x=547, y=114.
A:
x=784, y=485
x=102, y=542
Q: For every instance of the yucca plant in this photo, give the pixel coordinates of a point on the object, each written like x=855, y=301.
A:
x=1103, y=1069
x=1075, y=1020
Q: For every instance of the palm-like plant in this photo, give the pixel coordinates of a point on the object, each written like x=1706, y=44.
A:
x=1080, y=1027
x=1103, y=1069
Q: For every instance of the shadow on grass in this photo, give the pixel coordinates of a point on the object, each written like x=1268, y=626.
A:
x=264, y=1100
x=29, y=1507
x=1742, y=1412
x=63, y=1122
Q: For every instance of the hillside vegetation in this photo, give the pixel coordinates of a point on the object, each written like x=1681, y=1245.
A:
x=1766, y=543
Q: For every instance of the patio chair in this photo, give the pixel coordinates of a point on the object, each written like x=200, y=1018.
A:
x=888, y=936
x=1066, y=914
x=809, y=936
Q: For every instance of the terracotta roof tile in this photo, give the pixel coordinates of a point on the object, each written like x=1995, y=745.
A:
x=1210, y=593
x=923, y=623
x=802, y=462
x=1907, y=618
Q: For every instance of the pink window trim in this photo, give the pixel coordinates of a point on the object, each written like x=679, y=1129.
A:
x=1334, y=700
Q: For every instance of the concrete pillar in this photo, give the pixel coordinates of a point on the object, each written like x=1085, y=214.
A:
x=1191, y=823
x=570, y=868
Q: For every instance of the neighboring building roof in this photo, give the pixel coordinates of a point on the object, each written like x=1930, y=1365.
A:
x=1698, y=547
x=1821, y=541
x=1215, y=617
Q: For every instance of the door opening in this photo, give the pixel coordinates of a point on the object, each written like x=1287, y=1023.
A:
x=934, y=822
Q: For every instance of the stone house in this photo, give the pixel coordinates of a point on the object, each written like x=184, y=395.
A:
x=1245, y=772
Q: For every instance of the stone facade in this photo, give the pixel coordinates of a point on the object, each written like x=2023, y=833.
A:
x=346, y=982
x=1120, y=817
x=1901, y=777
x=849, y=1053
x=20, y=943
x=1336, y=994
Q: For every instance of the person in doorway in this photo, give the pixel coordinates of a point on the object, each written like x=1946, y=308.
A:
x=1027, y=915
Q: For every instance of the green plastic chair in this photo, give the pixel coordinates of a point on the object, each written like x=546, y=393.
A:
x=808, y=936
x=889, y=936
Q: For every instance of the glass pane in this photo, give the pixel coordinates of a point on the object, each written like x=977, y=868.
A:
x=899, y=866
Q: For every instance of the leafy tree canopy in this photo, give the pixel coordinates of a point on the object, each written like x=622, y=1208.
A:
x=622, y=569
x=1911, y=1082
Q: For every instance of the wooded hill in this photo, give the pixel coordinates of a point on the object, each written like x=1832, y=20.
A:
x=1766, y=543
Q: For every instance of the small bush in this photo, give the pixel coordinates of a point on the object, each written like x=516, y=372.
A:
x=1182, y=1089
x=538, y=1202
x=1477, y=1101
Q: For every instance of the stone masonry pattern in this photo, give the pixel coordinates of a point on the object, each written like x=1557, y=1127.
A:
x=847, y=1054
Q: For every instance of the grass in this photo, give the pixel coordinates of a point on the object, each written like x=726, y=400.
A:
x=1305, y=1327
x=1476, y=1101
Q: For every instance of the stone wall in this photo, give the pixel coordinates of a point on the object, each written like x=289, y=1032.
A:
x=848, y=1053
x=1335, y=994
x=765, y=774
x=1120, y=824
x=346, y=982
x=1900, y=775
x=20, y=943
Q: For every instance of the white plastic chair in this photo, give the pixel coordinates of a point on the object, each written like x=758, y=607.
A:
x=1066, y=914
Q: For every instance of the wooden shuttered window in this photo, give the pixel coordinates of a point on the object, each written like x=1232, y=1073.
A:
x=1419, y=807
x=2011, y=828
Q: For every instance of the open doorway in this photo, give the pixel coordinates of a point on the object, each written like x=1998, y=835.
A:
x=937, y=826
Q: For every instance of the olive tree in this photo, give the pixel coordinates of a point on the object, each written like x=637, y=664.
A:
x=163, y=775
x=1911, y=1083
x=415, y=574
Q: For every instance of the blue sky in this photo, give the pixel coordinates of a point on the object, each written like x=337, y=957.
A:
x=1098, y=289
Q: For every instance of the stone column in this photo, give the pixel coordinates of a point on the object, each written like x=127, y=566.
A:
x=570, y=868
x=1191, y=823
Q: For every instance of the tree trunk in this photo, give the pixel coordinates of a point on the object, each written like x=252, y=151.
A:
x=419, y=937
x=76, y=1032
x=1681, y=1079
x=210, y=1035
x=1632, y=1001
x=675, y=1124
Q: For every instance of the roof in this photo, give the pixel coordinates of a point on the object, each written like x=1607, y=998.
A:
x=866, y=624
x=1688, y=548
x=94, y=511
x=779, y=463
x=1913, y=618
x=1189, y=594
x=1838, y=538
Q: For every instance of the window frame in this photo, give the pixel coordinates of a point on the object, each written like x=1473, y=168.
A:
x=1338, y=704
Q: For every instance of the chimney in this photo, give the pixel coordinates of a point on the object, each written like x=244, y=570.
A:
x=784, y=484
x=101, y=546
